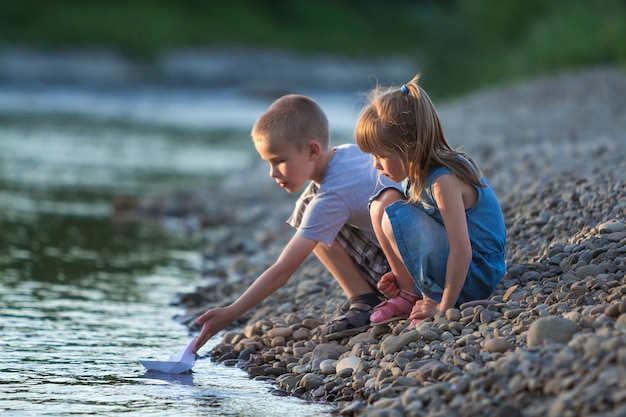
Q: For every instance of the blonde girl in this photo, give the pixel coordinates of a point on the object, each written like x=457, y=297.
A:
x=444, y=236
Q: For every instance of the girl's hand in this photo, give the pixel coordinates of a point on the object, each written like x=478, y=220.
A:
x=424, y=308
x=388, y=286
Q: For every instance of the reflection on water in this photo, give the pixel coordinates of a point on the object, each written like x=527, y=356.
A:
x=192, y=109
x=82, y=298
x=62, y=157
x=69, y=349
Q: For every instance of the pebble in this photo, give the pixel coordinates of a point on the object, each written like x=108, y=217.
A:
x=612, y=226
x=498, y=344
x=550, y=339
x=348, y=365
x=327, y=367
x=551, y=329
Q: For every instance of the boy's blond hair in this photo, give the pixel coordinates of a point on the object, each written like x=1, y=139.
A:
x=295, y=119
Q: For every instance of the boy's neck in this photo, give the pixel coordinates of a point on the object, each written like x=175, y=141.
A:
x=321, y=164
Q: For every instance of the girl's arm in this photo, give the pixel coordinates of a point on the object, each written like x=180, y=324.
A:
x=453, y=196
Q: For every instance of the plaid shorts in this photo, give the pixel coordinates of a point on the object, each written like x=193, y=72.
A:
x=364, y=252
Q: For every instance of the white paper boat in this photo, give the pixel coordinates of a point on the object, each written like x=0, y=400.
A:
x=176, y=364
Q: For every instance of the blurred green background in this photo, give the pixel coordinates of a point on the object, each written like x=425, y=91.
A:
x=460, y=45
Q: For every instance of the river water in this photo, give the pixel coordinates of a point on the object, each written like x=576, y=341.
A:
x=82, y=297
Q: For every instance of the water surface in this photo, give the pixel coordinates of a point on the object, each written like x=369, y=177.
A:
x=82, y=297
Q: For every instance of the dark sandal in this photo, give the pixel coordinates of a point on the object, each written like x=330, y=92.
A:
x=343, y=309
x=352, y=322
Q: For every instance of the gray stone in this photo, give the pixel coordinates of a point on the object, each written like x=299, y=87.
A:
x=611, y=226
x=311, y=381
x=393, y=344
x=351, y=362
x=552, y=328
x=498, y=344
x=327, y=366
x=589, y=271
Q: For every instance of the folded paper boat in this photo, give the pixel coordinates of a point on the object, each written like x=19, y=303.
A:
x=176, y=364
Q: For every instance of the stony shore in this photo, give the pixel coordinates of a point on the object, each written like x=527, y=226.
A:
x=551, y=341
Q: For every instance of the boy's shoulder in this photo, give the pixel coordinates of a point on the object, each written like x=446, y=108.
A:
x=349, y=158
x=348, y=147
x=349, y=151
x=350, y=167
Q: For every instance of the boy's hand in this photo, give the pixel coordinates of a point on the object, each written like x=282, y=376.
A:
x=212, y=322
x=388, y=285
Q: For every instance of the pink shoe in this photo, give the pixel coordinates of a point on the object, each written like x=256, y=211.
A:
x=399, y=306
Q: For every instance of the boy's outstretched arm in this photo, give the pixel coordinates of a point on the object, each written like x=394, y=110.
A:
x=292, y=256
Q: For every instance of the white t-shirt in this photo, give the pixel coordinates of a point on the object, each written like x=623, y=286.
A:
x=343, y=196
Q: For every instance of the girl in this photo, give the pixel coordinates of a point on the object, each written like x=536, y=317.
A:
x=444, y=237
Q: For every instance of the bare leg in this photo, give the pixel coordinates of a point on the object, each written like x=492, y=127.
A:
x=342, y=268
x=354, y=316
x=384, y=233
x=397, y=286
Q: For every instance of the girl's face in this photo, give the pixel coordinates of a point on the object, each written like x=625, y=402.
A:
x=289, y=167
x=391, y=166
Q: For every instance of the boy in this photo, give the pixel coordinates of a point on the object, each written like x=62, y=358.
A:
x=331, y=216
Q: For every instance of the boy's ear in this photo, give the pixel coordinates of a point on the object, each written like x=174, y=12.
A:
x=313, y=150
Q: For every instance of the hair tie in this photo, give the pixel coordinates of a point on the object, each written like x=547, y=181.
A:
x=404, y=90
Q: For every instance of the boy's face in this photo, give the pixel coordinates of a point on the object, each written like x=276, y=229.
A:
x=289, y=167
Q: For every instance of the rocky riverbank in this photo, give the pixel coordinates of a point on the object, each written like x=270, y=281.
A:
x=551, y=341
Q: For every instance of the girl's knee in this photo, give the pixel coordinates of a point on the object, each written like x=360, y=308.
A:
x=384, y=199
x=386, y=227
x=389, y=196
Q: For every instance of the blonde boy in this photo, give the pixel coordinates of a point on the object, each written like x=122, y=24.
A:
x=331, y=217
